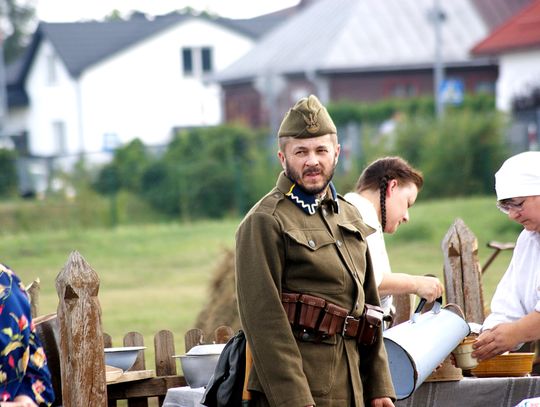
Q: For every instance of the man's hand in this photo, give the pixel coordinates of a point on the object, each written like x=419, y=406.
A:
x=382, y=402
x=495, y=341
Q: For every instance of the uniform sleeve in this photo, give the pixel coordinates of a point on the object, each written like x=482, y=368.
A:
x=375, y=373
x=260, y=262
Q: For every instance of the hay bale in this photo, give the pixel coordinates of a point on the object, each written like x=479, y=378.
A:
x=220, y=308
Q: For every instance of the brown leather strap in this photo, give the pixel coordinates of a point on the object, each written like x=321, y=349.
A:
x=314, y=317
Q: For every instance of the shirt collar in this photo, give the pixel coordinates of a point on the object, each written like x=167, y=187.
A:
x=307, y=202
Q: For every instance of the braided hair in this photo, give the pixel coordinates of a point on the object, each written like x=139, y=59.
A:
x=382, y=198
x=379, y=173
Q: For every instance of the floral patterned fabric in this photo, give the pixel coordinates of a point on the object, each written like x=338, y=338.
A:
x=23, y=365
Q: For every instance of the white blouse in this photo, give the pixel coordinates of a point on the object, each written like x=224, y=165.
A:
x=375, y=242
x=518, y=292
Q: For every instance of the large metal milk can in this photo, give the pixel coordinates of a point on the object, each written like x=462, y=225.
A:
x=417, y=347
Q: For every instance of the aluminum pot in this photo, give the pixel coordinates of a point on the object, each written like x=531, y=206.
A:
x=199, y=363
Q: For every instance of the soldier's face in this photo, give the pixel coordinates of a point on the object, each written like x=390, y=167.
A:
x=310, y=162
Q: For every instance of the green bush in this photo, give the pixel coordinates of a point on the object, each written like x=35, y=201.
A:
x=458, y=154
x=376, y=112
x=209, y=172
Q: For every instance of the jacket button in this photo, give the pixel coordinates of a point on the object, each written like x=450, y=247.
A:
x=338, y=242
x=311, y=243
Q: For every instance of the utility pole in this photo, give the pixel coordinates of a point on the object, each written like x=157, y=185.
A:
x=3, y=89
x=438, y=17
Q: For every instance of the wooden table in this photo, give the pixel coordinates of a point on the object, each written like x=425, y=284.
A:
x=468, y=392
x=474, y=392
x=130, y=376
x=141, y=383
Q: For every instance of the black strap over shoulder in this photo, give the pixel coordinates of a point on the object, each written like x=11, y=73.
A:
x=225, y=386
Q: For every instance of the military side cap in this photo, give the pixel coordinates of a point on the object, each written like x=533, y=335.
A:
x=307, y=118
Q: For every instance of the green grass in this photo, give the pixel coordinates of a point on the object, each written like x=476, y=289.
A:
x=155, y=276
x=416, y=247
x=151, y=277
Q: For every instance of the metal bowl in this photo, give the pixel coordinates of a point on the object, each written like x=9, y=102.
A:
x=123, y=357
x=199, y=363
x=198, y=369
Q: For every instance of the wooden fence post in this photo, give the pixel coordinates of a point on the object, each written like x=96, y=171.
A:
x=81, y=337
x=164, y=351
x=462, y=271
x=136, y=339
x=33, y=292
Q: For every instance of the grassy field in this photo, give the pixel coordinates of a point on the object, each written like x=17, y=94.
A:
x=155, y=276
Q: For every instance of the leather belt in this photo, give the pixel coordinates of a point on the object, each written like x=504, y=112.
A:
x=314, y=319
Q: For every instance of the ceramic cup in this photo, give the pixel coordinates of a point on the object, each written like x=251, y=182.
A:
x=462, y=354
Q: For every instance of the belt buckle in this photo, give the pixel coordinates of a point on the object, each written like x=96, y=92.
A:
x=344, y=330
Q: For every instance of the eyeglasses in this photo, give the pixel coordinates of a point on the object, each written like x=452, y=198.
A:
x=506, y=205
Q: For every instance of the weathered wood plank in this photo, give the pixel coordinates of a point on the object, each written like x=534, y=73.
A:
x=107, y=340
x=33, y=292
x=223, y=333
x=164, y=351
x=47, y=330
x=153, y=387
x=471, y=275
x=404, y=308
x=136, y=339
x=453, y=280
x=193, y=337
x=81, y=336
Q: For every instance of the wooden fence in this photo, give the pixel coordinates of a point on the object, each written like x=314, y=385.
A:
x=74, y=343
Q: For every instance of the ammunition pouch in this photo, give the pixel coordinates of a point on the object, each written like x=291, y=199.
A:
x=315, y=318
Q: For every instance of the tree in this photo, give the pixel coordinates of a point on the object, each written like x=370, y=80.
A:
x=17, y=20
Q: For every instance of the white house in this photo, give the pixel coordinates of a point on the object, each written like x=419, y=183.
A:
x=516, y=44
x=86, y=87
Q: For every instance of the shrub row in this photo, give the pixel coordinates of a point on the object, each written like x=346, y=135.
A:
x=222, y=171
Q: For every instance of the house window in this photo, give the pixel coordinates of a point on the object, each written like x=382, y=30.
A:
x=206, y=57
x=52, y=76
x=187, y=61
x=485, y=87
x=404, y=90
x=197, y=61
x=59, y=138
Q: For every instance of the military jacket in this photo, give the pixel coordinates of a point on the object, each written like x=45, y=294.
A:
x=280, y=247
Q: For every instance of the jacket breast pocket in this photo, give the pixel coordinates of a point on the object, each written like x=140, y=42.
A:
x=312, y=263
x=355, y=243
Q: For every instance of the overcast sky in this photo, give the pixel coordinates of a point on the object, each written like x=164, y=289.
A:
x=75, y=10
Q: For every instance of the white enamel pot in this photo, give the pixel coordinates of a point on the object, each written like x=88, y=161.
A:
x=417, y=347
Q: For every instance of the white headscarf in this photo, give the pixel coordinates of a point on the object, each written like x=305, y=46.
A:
x=519, y=176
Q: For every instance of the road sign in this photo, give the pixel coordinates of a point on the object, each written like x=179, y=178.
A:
x=451, y=91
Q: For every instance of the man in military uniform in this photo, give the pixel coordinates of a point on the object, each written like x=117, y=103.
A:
x=305, y=242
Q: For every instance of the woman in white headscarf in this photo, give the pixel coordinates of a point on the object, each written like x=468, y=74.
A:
x=515, y=307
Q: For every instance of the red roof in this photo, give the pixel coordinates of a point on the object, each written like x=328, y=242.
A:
x=521, y=31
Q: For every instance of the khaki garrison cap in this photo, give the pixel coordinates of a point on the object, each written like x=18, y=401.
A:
x=307, y=118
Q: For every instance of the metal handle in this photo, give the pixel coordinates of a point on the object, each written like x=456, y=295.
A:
x=436, y=307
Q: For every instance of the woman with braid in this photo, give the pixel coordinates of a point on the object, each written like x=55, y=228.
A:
x=385, y=191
